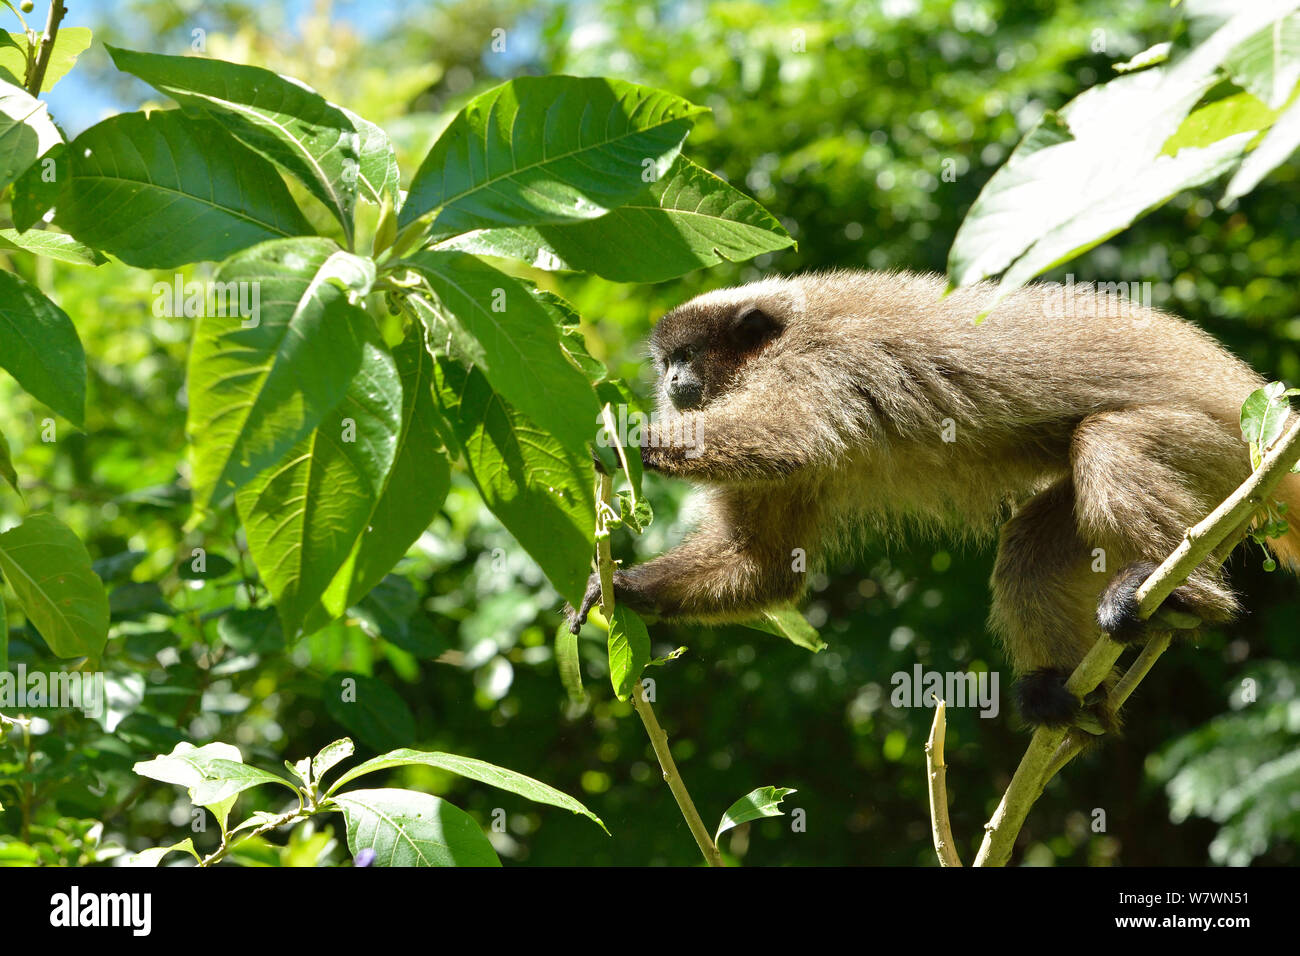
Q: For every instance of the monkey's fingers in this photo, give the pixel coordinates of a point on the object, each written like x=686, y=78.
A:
x=589, y=600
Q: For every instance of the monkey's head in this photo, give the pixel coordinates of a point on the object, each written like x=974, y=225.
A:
x=700, y=347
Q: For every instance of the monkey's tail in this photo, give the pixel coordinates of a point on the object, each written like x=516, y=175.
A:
x=1287, y=547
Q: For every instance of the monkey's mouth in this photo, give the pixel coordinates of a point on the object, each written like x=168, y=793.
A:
x=686, y=397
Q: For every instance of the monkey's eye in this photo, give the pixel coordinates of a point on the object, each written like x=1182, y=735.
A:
x=682, y=355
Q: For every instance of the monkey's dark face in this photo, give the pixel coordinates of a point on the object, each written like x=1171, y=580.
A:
x=699, y=348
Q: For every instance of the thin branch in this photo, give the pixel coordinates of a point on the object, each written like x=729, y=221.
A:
x=37, y=75
x=940, y=825
x=1048, y=751
x=658, y=739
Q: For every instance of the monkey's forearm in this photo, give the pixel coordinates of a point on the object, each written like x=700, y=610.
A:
x=732, y=444
x=693, y=584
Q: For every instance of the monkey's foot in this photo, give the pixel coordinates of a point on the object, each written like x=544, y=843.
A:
x=1042, y=700
x=1117, y=611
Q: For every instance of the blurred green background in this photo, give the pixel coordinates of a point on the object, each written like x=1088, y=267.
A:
x=842, y=118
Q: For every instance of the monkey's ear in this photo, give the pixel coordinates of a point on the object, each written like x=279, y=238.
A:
x=753, y=325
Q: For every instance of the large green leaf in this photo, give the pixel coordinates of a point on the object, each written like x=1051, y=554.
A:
x=306, y=516
x=406, y=828
x=521, y=354
x=687, y=220
x=39, y=347
x=1086, y=173
x=414, y=490
x=70, y=43
x=49, y=570
x=26, y=131
x=164, y=189
x=547, y=149
x=255, y=392
x=36, y=191
x=541, y=491
x=480, y=770
x=285, y=121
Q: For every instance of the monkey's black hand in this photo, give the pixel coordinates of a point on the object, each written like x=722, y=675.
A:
x=1117, y=611
x=589, y=600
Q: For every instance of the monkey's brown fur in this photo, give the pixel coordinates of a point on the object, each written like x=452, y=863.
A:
x=820, y=404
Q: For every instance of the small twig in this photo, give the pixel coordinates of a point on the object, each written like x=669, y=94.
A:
x=940, y=825
x=658, y=739
x=37, y=75
x=1048, y=751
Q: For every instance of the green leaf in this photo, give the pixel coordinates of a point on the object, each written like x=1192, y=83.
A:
x=503, y=779
x=629, y=651
x=36, y=191
x=223, y=779
x=49, y=570
x=329, y=756
x=39, y=347
x=378, y=175
x=1268, y=63
x=414, y=490
x=163, y=190
x=154, y=855
x=568, y=663
x=1276, y=147
x=763, y=802
x=1264, y=415
x=26, y=131
x=521, y=357
x=786, y=621
x=547, y=149
x=1085, y=174
x=687, y=220
x=1239, y=113
x=53, y=245
x=256, y=392
x=541, y=491
x=283, y=120
x=7, y=471
x=306, y=516
x=370, y=709
x=251, y=631
x=69, y=44
x=406, y=828
x=4, y=639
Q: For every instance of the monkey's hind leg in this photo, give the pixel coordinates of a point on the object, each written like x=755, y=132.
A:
x=1044, y=593
x=1142, y=477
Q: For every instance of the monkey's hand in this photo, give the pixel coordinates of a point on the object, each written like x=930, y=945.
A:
x=590, y=599
x=1117, y=611
x=625, y=592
